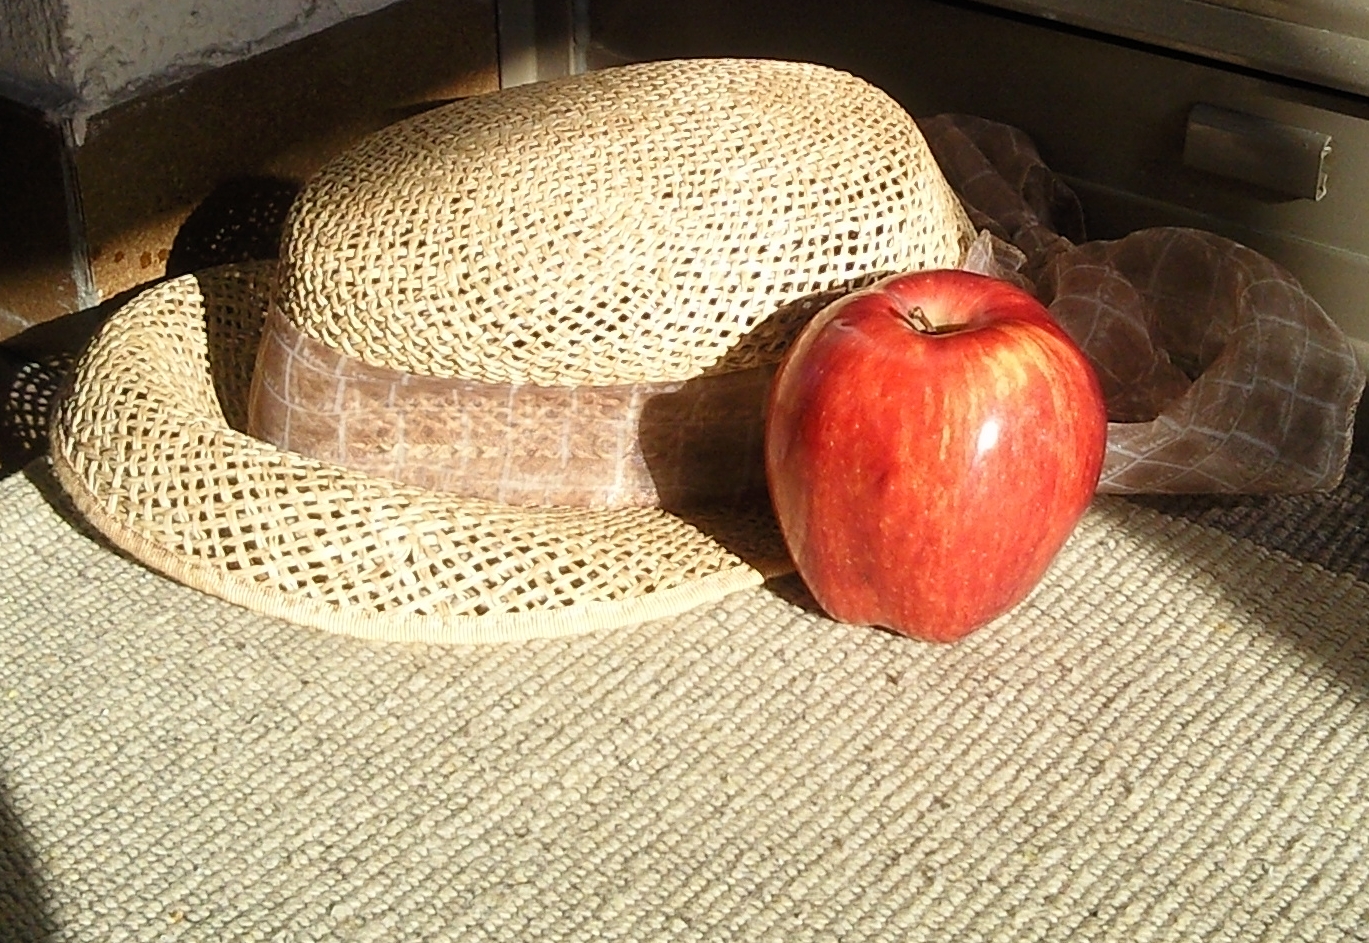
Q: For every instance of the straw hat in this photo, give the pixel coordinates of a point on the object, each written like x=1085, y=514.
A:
x=434, y=417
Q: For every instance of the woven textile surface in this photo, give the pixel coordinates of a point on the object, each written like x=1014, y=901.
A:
x=1168, y=741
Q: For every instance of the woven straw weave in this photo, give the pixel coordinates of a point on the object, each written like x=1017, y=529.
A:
x=639, y=224
x=150, y=458
x=655, y=224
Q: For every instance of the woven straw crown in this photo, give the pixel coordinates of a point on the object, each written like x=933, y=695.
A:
x=639, y=224
x=653, y=225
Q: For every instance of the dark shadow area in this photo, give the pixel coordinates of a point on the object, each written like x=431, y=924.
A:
x=240, y=221
x=792, y=589
x=704, y=444
x=413, y=110
x=29, y=389
x=1329, y=528
x=33, y=367
x=36, y=280
x=24, y=905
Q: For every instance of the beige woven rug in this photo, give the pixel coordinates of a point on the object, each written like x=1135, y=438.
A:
x=1168, y=741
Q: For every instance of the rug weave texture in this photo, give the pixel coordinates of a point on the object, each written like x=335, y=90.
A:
x=1168, y=741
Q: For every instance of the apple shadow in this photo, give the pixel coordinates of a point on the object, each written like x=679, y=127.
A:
x=703, y=447
x=704, y=444
x=791, y=588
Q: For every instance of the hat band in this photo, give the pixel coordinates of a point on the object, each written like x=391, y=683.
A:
x=674, y=445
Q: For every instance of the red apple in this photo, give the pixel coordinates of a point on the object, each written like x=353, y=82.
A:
x=931, y=442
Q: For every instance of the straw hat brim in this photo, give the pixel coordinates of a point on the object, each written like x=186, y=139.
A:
x=147, y=444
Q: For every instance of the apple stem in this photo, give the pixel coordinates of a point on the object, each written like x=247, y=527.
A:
x=919, y=320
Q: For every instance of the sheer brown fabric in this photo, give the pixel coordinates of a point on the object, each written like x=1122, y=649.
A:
x=1221, y=372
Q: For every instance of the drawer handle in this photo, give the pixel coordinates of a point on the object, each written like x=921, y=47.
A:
x=1278, y=157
